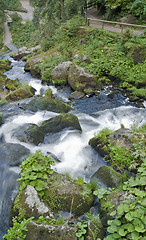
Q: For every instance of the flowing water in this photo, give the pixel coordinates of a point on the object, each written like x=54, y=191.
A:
x=70, y=147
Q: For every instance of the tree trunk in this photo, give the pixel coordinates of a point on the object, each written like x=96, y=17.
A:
x=62, y=11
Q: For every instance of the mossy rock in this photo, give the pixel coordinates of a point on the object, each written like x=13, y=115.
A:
x=32, y=66
x=58, y=123
x=28, y=204
x=48, y=93
x=79, y=78
x=2, y=79
x=49, y=104
x=95, y=229
x=62, y=194
x=29, y=133
x=5, y=65
x=60, y=73
x=109, y=176
x=76, y=95
x=12, y=85
x=100, y=145
x=18, y=94
x=49, y=232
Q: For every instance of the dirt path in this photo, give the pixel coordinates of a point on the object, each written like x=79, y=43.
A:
x=28, y=16
x=92, y=14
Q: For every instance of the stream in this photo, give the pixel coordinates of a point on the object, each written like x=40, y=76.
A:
x=70, y=147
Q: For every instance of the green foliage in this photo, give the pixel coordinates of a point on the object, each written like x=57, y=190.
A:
x=22, y=33
x=11, y=4
x=53, y=222
x=17, y=231
x=35, y=171
x=81, y=230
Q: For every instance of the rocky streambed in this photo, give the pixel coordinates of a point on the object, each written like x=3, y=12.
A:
x=60, y=126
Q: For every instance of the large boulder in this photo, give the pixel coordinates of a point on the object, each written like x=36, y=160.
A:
x=32, y=66
x=19, y=94
x=46, y=103
x=109, y=176
x=59, y=122
x=13, y=154
x=60, y=73
x=22, y=52
x=49, y=232
x=29, y=133
x=79, y=78
x=30, y=204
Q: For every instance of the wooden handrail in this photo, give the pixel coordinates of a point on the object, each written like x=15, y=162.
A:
x=111, y=22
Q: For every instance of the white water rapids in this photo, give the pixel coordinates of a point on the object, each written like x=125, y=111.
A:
x=70, y=147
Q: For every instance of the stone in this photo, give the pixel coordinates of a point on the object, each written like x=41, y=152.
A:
x=60, y=73
x=29, y=133
x=29, y=205
x=128, y=19
x=109, y=176
x=20, y=93
x=13, y=154
x=59, y=122
x=46, y=103
x=79, y=78
x=49, y=232
x=22, y=52
x=31, y=64
x=85, y=59
x=76, y=95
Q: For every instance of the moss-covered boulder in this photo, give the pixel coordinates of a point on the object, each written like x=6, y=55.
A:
x=28, y=204
x=49, y=232
x=49, y=104
x=20, y=93
x=12, y=85
x=32, y=66
x=109, y=176
x=62, y=194
x=58, y=123
x=5, y=65
x=29, y=133
x=60, y=73
x=76, y=95
x=79, y=78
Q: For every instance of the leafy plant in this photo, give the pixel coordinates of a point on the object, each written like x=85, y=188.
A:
x=81, y=230
x=17, y=231
x=35, y=171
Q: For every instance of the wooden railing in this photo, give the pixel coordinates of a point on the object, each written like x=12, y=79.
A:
x=115, y=24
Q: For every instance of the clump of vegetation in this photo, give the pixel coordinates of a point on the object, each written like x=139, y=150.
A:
x=17, y=231
x=35, y=171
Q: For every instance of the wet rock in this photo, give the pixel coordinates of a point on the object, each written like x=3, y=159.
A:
x=123, y=137
x=1, y=119
x=31, y=65
x=48, y=93
x=85, y=59
x=13, y=154
x=22, y=52
x=48, y=232
x=58, y=123
x=31, y=205
x=79, y=78
x=89, y=92
x=76, y=95
x=109, y=176
x=29, y=133
x=20, y=93
x=60, y=73
x=45, y=103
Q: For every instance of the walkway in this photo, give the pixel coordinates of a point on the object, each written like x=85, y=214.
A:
x=27, y=16
x=96, y=22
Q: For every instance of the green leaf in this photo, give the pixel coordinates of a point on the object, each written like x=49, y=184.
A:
x=129, y=216
x=140, y=228
x=122, y=232
x=113, y=213
x=135, y=235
